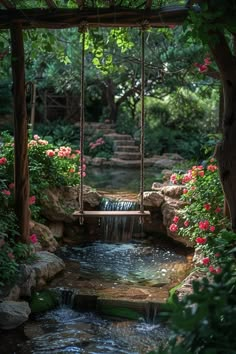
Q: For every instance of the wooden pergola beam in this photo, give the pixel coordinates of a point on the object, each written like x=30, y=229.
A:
x=51, y=4
x=7, y=4
x=105, y=17
x=21, y=170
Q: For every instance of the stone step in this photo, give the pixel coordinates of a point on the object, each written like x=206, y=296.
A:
x=118, y=137
x=120, y=143
x=105, y=131
x=99, y=125
x=127, y=148
x=127, y=155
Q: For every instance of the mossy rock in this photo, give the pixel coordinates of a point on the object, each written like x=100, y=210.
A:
x=121, y=312
x=43, y=301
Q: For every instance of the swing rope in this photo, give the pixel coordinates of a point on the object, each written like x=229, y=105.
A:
x=81, y=213
x=82, y=29
x=142, y=120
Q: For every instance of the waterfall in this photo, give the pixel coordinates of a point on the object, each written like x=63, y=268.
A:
x=118, y=228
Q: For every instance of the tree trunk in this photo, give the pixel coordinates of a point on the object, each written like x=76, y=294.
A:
x=226, y=150
x=21, y=173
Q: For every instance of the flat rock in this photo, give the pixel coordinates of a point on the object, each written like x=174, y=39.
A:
x=13, y=314
x=153, y=198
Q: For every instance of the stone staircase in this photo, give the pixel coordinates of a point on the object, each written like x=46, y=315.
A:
x=125, y=149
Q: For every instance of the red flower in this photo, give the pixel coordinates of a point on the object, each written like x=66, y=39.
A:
x=218, y=210
x=3, y=161
x=173, y=228
x=6, y=192
x=201, y=173
x=201, y=240
x=32, y=200
x=33, y=238
x=217, y=254
x=207, y=61
x=175, y=219
x=186, y=223
x=204, y=225
x=207, y=206
x=206, y=260
x=212, y=228
x=11, y=186
x=185, y=191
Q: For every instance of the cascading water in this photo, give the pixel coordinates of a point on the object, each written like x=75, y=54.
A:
x=118, y=228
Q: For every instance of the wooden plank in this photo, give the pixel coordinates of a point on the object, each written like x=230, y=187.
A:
x=21, y=172
x=105, y=17
x=101, y=213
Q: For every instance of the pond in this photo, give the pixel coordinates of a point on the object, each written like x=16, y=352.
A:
x=118, y=179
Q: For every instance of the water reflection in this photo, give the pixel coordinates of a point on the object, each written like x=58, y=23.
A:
x=118, y=179
x=126, y=263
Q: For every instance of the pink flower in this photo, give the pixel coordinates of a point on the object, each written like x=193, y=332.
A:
x=193, y=188
x=3, y=161
x=84, y=167
x=204, y=225
x=201, y=240
x=207, y=206
x=212, y=228
x=77, y=151
x=6, y=192
x=207, y=61
x=50, y=153
x=213, y=270
x=202, y=68
x=33, y=238
x=175, y=219
x=11, y=185
x=201, y=173
x=217, y=254
x=186, y=223
x=206, y=260
x=173, y=228
x=185, y=191
x=173, y=178
x=218, y=210
x=36, y=137
x=32, y=200
x=212, y=168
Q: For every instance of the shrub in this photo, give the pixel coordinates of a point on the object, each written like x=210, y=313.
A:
x=49, y=166
x=204, y=321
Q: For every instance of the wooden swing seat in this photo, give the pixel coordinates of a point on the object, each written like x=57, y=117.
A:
x=101, y=213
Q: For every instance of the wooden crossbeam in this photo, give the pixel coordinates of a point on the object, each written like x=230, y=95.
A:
x=105, y=17
x=51, y=4
x=7, y=4
x=103, y=213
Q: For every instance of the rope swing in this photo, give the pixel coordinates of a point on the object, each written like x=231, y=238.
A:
x=82, y=213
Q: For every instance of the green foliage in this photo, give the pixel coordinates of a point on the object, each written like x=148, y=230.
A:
x=43, y=301
x=204, y=321
x=59, y=132
x=49, y=166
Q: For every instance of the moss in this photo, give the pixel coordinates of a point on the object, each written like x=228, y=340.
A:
x=43, y=301
x=123, y=312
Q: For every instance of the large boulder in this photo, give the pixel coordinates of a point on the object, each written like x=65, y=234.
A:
x=60, y=203
x=153, y=198
x=169, y=209
x=44, y=235
x=13, y=314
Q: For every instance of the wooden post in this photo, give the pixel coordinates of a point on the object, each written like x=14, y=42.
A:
x=21, y=172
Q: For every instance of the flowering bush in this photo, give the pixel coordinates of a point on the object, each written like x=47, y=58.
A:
x=99, y=146
x=202, y=218
x=49, y=166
